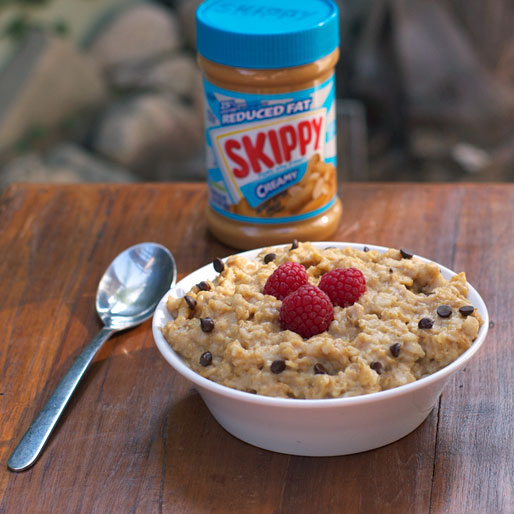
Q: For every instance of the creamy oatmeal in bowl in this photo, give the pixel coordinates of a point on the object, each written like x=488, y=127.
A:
x=250, y=341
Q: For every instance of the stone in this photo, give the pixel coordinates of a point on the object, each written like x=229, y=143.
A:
x=75, y=19
x=45, y=82
x=444, y=78
x=178, y=74
x=429, y=143
x=142, y=32
x=151, y=134
x=190, y=169
x=505, y=66
x=29, y=168
x=186, y=12
x=471, y=158
x=86, y=166
x=66, y=163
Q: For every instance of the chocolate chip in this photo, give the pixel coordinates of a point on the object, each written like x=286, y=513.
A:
x=390, y=270
x=406, y=254
x=294, y=246
x=365, y=249
x=207, y=324
x=467, y=310
x=206, y=359
x=203, y=286
x=425, y=323
x=191, y=302
x=269, y=257
x=218, y=264
x=444, y=311
x=319, y=369
x=377, y=366
x=395, y=349
x=278, y=366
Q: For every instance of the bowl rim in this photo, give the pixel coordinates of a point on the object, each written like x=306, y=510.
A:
x=203, y=383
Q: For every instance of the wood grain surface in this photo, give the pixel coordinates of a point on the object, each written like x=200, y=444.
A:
x=137, y=438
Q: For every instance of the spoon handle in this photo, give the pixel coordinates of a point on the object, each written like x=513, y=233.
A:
x=29, y=448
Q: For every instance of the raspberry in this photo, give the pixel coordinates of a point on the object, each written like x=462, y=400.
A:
x=288, y=277
x=343, y=286
x=307, y=311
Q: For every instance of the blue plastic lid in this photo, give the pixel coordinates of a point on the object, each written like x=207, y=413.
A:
x=266, y=34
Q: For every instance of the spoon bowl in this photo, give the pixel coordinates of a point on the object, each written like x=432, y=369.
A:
x=127, y=295
x=133, y=284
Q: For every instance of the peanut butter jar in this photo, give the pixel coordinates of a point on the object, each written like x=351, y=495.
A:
x=270, y=120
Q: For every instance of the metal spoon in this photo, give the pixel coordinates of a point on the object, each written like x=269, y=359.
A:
x=127, y=295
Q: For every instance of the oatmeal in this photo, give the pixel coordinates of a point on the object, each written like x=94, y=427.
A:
x=409, y=323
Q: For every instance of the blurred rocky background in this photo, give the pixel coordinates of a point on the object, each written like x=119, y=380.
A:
x=109, y=91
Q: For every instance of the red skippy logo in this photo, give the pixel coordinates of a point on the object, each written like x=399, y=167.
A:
x=244, y=151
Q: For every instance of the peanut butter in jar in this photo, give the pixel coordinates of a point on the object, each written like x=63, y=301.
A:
x=270, y=121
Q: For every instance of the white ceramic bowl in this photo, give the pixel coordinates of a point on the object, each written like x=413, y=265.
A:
x=338, y=426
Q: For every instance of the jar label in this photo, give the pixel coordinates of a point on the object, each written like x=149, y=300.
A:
x=271, y=158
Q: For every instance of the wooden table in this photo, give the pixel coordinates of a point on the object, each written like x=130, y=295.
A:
x=136, y=436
